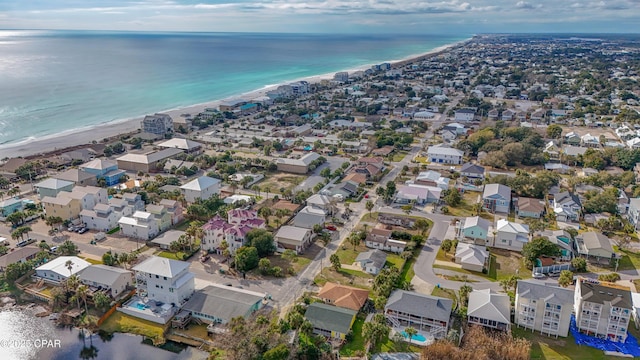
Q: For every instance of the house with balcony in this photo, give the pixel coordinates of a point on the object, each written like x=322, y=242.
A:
x=113, y=281
x=233, y=230
x=442, y=154
x=602, y=309
x=496, y=198
x=633, y=215
x=476, y=229
x=293, y=238
x=510, y=235
x=174, y=209
x=429, y=315
x=543, y=307
x=62, y=206
x=100, y=218
x=594, y=244
x=141, y=225
x=566, y=206
x=381, y=239
x=489, y=309
x=203, y=188
x=164, y=280
x=160, y=216
x=104, y=169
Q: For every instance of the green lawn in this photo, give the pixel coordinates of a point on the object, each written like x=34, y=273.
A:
x=171, y=255
x=397, y=156
x=357, y=341
x=119, y=322
x=344, y=277
x=390, y=346
x=347, y=255
x=629, y=261
x=407, y=270
x=548, y=348
x=92, y=261
x=395, y=260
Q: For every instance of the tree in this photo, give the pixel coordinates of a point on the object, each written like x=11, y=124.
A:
x=463, y=294
x=369, y=206
x=246, y=258
x=279, y=352
x=422, y=225
x=610, y=277
x=101, y=300
x=68, y=248
x=390, y=191
x=264, y=265
x=265, y=212
x=375, y=330
x=69, y=265
x=446, y=245
x=554, y=131
x=537, y=247
x=452, y=197
x=410, y=331
x=579, y=264
x=16, y=218
x=335, y=262
x=108, y=258
x=262, y=240
x=566, y=278
x=354, y=239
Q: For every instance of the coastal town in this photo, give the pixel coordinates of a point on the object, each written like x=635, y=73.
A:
x=482, y=202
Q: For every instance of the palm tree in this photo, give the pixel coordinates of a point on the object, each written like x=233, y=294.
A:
x=69, y=265
x=82, y=292
x=410, y=331
x=267, y=189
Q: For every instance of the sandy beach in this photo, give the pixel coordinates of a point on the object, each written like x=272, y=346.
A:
x=99, y=132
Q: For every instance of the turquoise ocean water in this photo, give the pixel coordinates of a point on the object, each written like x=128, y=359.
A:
x=55, y=81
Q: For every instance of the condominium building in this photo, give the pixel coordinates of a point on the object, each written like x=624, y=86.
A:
x=544, y=308
x=603, y=309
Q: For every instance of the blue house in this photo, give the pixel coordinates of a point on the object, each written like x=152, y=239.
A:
x=9, y=206
x=104, y=169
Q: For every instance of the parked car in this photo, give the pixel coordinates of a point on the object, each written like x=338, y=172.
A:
x=53, y=249
x=83, y=230
x=331, y=227
x=538, y=275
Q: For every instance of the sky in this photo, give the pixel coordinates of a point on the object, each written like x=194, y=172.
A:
x=326, y=16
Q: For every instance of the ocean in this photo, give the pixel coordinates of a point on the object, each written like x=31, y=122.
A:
x=56, y=81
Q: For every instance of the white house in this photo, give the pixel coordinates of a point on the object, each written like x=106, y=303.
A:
x=511, y=235
x=111, y=279
x=543, y=307
x=142, y=225
x=61, y=268
x=308, y=217
x=566, y=206
x=293, y=238
x=101, y=218
x=372, y=261
x=444, y=155
x=201, y=188
x=381, y=239
x=464, y=114
x=165, y=280
x=634, y=213
x=417, y=194
x=432, y=178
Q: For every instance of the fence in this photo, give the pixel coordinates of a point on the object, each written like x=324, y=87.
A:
x=118, y=303
x=551, y=269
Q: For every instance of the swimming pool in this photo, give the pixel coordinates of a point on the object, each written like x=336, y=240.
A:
x=140, y=306
x=308, y=148
x=416, y=337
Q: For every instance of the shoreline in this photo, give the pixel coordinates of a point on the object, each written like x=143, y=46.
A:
x=86, y=135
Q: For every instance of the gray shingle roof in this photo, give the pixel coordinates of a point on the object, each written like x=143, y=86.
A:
x=598, y=294
x=102, y=274
x=223, y=302
x=487, y=304
x=432, y=307
x=550, y=293
x=327, y=317
x=377, y=257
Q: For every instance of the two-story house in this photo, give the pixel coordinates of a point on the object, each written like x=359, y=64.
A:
x=496, y=198
x=381, y=239
x=160, y=216
x=425, y=313
x=511, y=235
x=201, y=188
x=165, y=280
x=602, y=309
x=104, y=169
x=442, y=154
x=566, y=206
x=634, y=213
x=142, y=225
x=543, y=308
x=476, y=229
x=101, y=218
x=234, y=230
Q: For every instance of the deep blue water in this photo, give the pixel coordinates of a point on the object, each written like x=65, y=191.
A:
x=52, y=81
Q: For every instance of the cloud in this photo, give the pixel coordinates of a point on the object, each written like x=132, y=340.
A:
x=524, y=5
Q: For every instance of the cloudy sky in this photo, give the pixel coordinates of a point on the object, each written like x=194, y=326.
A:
x=335, y=16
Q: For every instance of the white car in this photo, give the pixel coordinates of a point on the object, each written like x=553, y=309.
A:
x=538, y=275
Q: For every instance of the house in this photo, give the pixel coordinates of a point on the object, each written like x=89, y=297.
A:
x=489, y=309
x=293, y=238
x=564, y=241
x=147, y=162
x=543, y=307
x=78, y=177
x=432, y=178
x=330, y=321
x=417, y=194
x=511, y=235
x=633, y=214
x=61, y=268
x=202, y=188
x=9, y=206
x=164, y=240
x=636, y=308
x=602, y=309
x=114, y=281
x=566, y=206
x=323, y=202
x=594, y=244
x=68, y=205
x=464, y=114
x=472, y=171
x=174, y=209
x=157, y=124
x=508, y=115
x=381, y=239
x=51, y=187
x=165, y=280
x=425, y=313
x=556, y=167
x=472, y=257
x=442, y=154
x=218, y=304
x=186, y=145
x=104, y=169
x=496, y=198
x=308, y=217
x=590, y=141
x=343, y=296
x=141, y=225
x=552, y=150
x=371, y=261
x=18, y=255
x=476, y=228
x=297, y=166
x=572, y=139
x=448, y=135
x=233, y=230
x=160, y=216
x=529, y=208
x=101, y=218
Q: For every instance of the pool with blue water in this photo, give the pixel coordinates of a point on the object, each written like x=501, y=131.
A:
x=416, y=337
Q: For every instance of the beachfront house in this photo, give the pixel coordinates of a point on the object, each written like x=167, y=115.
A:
x=489, y=309
x=165, y=280
x=429, y=315
x=543, y=307
x=61, y=268
x=602, y=309
x=157, y=124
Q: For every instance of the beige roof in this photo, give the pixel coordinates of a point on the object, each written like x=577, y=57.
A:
x=344, y=296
